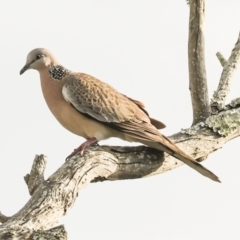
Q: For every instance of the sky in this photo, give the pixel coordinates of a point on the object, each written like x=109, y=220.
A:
x=140, y=48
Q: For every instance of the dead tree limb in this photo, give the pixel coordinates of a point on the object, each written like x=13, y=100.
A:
x=219, y=96
x=53, y=198
x=221, y=59
x=196, y=62
x=57, y=233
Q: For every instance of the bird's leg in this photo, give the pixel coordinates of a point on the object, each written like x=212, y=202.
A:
x=84, y=145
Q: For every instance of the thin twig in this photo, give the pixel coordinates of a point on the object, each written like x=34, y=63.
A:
x=221, y=59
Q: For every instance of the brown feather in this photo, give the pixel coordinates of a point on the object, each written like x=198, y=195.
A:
x=156, y=123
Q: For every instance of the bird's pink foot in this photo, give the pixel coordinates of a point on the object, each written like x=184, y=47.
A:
x=81, y=148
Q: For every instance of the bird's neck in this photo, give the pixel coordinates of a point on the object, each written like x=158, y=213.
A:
x=58, y=72
x=51, y=88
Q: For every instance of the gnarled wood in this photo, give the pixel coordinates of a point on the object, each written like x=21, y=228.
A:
x=53, y=198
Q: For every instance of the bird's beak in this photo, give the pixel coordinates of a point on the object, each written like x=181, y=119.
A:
x=24, y=69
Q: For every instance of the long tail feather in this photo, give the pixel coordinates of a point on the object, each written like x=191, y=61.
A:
x=176, y=152
x=197, y=166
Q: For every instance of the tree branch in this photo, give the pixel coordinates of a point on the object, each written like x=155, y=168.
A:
x=53, y=198
x=220, y=96
x=196, y=62
x=221, y=59
x=56, y=233
x=3, y=218
x=36, y=176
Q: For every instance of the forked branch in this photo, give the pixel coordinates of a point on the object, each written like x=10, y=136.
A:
x=229, y=68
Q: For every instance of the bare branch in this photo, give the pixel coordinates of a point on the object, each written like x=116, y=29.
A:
x=36, y=176
x=219, y=97
x=221, y=59
x=56, y=233
x=196, y=62
x=54, y=197
x=3, y=218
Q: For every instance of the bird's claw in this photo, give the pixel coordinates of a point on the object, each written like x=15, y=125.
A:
x=82, y=147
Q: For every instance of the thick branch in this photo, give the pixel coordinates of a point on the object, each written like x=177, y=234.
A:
x=196, y=62
x=53, y=198
x=220, y=96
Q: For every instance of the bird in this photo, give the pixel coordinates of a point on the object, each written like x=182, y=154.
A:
x=94, y=110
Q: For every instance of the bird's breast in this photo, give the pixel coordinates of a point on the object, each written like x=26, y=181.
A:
x=67, y=116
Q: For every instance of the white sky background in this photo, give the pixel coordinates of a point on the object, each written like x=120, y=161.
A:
x=140, y=48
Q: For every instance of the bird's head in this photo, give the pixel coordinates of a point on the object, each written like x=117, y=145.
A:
x=38, y=59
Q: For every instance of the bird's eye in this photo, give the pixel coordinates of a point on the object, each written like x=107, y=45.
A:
x=38, y=56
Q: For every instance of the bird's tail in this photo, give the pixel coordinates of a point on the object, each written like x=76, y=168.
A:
x=176, y=152
x=197, y=166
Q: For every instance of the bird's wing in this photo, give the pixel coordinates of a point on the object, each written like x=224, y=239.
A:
x=156, y=123
x=100, y=101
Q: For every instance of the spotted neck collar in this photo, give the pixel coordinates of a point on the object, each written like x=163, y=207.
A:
x=58, y=72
